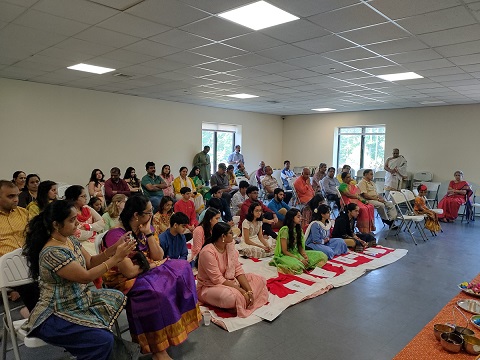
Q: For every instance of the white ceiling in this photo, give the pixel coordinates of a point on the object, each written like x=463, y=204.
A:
x=180, y=50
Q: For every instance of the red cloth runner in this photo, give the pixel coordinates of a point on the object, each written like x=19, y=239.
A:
x=276, y=285
x=424, y=346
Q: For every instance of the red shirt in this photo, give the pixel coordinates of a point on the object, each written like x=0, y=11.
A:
x=304, y=190
x=188, y=208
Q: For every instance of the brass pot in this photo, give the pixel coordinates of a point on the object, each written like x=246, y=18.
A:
x=439, y=329
x=471, y=344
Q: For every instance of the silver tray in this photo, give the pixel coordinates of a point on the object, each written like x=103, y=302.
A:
x=469, y=291
x=472, y=306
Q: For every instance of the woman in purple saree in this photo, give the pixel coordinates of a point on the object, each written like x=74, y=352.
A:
x=162, y=300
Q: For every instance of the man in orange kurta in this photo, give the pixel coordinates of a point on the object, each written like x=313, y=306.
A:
x=303, y=187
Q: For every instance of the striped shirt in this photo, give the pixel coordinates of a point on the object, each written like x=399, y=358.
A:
x=12, y=229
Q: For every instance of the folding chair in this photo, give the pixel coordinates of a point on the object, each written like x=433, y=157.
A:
x=432, y=194
x=14, y=272
x=405, y=218
x=475, y=204
x=61, y=191
x=359, y=175
x=420, y=177
x=379, y=180
x=410, y=196
x=295, y=201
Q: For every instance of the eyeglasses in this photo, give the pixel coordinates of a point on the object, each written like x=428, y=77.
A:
x=150, y=213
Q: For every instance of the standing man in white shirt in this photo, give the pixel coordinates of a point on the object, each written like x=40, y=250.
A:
x=236, y=158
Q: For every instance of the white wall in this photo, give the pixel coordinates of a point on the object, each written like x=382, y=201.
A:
x=438, y=139
x=63, y=133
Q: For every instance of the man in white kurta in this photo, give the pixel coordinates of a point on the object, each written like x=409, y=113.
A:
x=396, y=171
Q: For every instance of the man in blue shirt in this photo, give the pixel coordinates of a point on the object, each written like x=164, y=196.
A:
x=278, y=206
x=287, y=175
x=236, y=158
x=172, y=240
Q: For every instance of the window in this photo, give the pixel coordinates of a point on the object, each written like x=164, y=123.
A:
x=222, y=140
x=361, y=147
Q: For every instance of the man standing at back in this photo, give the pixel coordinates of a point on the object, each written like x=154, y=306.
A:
x=13, y=221
x=235, y=158
x=153, y=185
x=202, y=160
x=396, y=171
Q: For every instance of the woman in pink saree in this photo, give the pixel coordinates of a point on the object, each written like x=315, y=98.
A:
x=458, y=194
x=351, y=193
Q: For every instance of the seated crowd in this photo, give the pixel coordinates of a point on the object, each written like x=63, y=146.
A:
x=144, y=262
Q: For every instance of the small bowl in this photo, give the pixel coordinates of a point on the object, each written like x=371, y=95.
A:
x=451, y=342
x=475, y=320
x=439, y=329
x=471, y=344
x=460, y=330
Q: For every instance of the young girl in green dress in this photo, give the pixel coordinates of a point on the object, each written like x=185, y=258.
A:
x=290, y=254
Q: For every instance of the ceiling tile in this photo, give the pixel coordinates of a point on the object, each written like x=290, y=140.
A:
x=220, y=65
x=454, y=77
x=309, y=61
x=43, y=21
x=218, y=51
x=413, y=56
x=375, y=33
x=180, y=39
x=284, y=52
x=298, y=74
x=349, y=18
x=152, y=48
x=347, y=75
x=295, y=31
x=349, y=54
x=331, y=68
x=220, y=77
x=395, y=9
x=248, y=73
x=397, y=46
x=128, y=56
x=386, y=70
x=311, y=7
x=467, y=48
x=324, y=44
x=82, y=11
x=25, y=35
x=277, y=67
x=216, y=29
x=372, y=62
x=163, y=64
x=452, y=36
x=81, y=46
x=442, y=71
x=167, y=12
x=216, y=6
x=465, y=59
x=106, y=37
x=438, y=20
x=427, y=65
x=187, y=57
x=250, y=59
x=195, y=71
x=9, y=12
x=471, y=68
x=132, y=25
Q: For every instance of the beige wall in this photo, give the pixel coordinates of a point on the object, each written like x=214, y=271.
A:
x=437, y=139
x=63, y=133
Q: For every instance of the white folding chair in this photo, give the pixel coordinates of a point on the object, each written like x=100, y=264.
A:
x=475, y=204
x=406, y=220
x=432, y=194
x=294, y=201
x=14, y=272
x=61, y=191
x=253, y=178
x=420, y=177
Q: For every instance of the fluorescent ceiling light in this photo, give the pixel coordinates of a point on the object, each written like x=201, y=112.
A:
x=259, y=15
x=90, y=68
x=400, y=76
x=243, y=96
x=324, y=109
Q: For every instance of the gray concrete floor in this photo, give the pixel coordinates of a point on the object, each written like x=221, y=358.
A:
x=372, y=318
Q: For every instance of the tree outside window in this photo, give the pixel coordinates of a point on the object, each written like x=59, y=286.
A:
x=221, y=144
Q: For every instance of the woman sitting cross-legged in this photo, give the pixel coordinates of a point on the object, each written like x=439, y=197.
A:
x=318, y=234
x=221, y=281
x=420, y=207
x=204, y=230
x=69, y=313
x=199, y=182
x=184, y=181
x=162, y=301
x=345, y=228
x=253, y=244
x=290, y=254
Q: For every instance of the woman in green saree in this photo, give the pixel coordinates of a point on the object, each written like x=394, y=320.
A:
x=290, y=254
x=199, y=182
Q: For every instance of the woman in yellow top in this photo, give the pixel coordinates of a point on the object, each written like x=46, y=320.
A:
x=47, y=192
x=184, y=181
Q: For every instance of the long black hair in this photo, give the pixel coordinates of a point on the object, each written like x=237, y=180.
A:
x=134, y=204
x=292, y=226
x=192, y=173
x=218, y=230
x=39, y=231
x=93, y=176
x=29, y=176
x=42, y=193
x=73, y=192
x=319, y=211
x=210, y=213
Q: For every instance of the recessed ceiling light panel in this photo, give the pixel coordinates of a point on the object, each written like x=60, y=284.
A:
x=324, y=109
x=259, y=15
x=400, y=76
x=243, y=96
x=90, y=68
